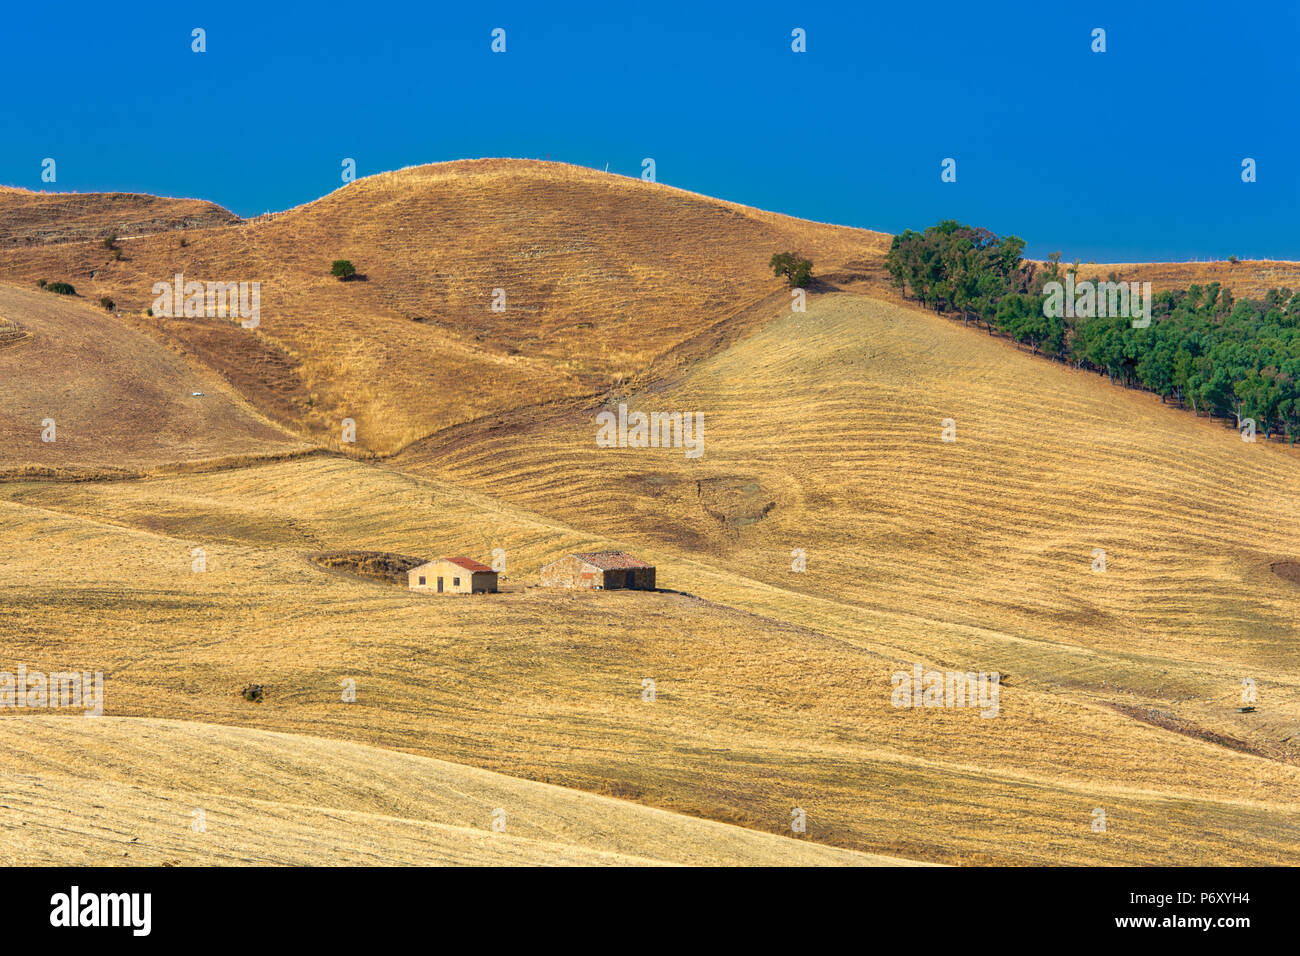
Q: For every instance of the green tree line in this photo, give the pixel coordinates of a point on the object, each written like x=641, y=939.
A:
x=1203, y=349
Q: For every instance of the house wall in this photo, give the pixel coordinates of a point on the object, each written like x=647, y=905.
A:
x=469, y=581
x=643, y=579
x=413, y=578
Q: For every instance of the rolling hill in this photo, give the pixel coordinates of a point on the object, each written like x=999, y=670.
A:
x=600, y=273
x=1244, y=278
x=823, y=434
x=36, y=218
x=119, y=400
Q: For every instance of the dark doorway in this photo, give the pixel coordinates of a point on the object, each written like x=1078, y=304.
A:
x=630, y=580
x=439, y=585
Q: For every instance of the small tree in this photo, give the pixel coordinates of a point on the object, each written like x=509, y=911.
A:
x=109, y=240
x=343, y=269
x=106, y=302
x=61, y=288
x=797, y=270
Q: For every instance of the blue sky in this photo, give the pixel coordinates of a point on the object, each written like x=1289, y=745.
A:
x=1131, y=154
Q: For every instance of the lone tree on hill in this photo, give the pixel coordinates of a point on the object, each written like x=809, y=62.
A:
x=344, y=269
x=796, y=269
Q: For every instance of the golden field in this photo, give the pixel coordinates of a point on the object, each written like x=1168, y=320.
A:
x=184, y=793
x=822, y=432
x=35, y=218
x=118, y=400
x=1248, y=277
x=417, y=346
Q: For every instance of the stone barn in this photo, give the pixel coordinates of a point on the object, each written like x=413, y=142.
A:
x=452, y=576
x=600, y=570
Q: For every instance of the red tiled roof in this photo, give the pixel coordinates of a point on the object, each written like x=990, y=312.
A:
x=612, y=560
x=469, y=564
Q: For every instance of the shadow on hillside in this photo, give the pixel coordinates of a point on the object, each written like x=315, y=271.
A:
x=841, y=281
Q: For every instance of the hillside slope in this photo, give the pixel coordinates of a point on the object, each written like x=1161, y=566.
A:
x=35, y=218
x=1248, y=278
x=822, y=436
x=823, y=432
x=600, y=274
x=781, y=701
x=117, y=398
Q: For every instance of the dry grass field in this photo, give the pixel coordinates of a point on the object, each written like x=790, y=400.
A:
x=772, y=688
x=417, y=346
x=185, y=793
x=118, y=400
x=35, y=218
x=754, y=715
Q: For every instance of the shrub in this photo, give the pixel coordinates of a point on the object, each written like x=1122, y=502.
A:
x=62, y=288
x=343, y=269
x=109, y=240
x=252, y=693
x=796, y=269
x=1233, y=260
x=41, y=283
x=106, y=302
